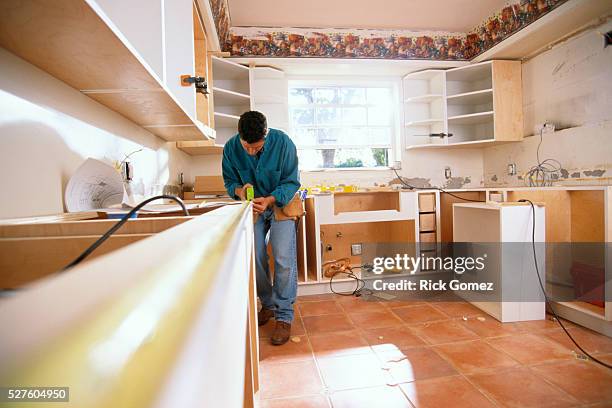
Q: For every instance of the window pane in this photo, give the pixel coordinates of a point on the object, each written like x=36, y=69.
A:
x=300, y=96
x=326, y=95
x=380, y=136
x=352, y=96
x=310, y=159
x=346, y=126
x=355, y=136
x=354, y=116
x=379, y=96
x=379, y=116
x=328, y=116
x=302, y=116
x=329, y=136
x=343, y=158
x=304, y=136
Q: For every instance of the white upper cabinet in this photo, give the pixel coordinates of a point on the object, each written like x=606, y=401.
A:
x=470, y=106
x=179, y=51
x=141, y=22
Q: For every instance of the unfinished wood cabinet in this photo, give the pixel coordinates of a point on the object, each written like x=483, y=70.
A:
x=334, y=222
x=166, y=293
x=31, y=251
x=77, y=42
x=481, y=106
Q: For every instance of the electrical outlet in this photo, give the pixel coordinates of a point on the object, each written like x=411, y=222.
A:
x=512, y=169
x=396, y=165
x=447, y=172
x=546, y=127
x=355, y=249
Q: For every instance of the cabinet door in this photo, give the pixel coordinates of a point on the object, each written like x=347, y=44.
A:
x=141, y=22
x=179, y=55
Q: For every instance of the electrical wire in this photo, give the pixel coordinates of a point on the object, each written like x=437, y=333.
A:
x=118, y=225
x=359, y=283
x=434, y=188
x=547, y=300
x=541, y=175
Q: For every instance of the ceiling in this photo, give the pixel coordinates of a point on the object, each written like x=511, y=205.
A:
x=433, y=15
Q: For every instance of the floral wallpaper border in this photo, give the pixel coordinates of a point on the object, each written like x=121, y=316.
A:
x=331, y=43
x=220, y=11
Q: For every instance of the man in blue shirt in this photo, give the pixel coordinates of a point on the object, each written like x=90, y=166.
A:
x=266, y=159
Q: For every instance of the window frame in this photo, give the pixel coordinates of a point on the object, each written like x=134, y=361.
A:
x=392, y=83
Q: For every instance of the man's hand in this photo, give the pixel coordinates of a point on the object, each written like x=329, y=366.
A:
x=241, y=191
x=261, y=203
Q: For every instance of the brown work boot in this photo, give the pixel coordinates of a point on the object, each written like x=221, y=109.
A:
x=281, y=333
x=264, y=315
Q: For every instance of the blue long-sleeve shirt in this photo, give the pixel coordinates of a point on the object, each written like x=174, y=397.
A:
x=274, y=172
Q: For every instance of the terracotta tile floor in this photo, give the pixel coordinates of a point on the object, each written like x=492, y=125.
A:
x=358, y=353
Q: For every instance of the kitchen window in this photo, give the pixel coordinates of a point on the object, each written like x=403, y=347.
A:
x=341, y=126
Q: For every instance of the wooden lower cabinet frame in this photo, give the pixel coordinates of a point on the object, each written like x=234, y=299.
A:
x=166, y=321
x=573, y=214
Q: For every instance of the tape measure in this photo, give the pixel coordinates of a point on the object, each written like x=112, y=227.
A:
x=250, y=193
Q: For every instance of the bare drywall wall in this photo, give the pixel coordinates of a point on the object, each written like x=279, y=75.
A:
x=569, y=85
x=47, y=129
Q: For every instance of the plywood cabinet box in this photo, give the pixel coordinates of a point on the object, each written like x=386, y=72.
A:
x=573, y=215
x=188, y=279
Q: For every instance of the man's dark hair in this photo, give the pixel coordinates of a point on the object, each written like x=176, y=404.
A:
x=252, y=126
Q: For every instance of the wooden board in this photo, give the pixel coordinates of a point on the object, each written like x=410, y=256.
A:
x=587, y=216
x=311, y=239
x=209, y=185
x=200, y=44
x=144, y=107
x=427, y=202
x=558, y=210
x=92, y=227
x=427, y=222
x=446, y=211
x=507, y=100
x=83, y=215
x=23, y=260
x=365, y=232
x=200, y=148
x=354, y=202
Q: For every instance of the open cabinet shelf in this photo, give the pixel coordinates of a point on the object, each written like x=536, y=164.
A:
x=424, y=98
x=471, y=118
x=471, y=98
x=424, y=122
x=224, y=120
x=77, y=43
x=231, y=93
x=481, y=105
x=200, y=148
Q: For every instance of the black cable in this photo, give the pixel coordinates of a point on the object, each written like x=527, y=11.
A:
x=118, y=225
x=434, y=188
x=548, y=303
x=360, y=283
x=542, y=173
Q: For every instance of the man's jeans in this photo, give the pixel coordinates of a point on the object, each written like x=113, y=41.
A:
x=280, y=296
